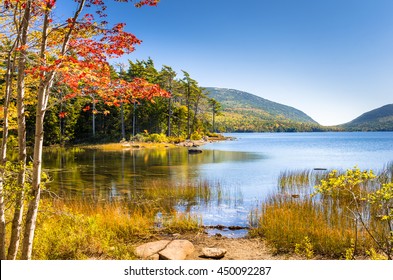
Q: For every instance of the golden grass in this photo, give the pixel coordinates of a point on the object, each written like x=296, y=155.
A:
x=328, y=223
x=93, y=228
x=88, y=229
x=285, y=222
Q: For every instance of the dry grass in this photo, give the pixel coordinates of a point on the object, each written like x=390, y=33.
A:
x=285, y=221
x=89, y=229
x=86, y=228
x=328, y=222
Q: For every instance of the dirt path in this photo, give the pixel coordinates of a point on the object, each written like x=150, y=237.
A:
x=237, y=248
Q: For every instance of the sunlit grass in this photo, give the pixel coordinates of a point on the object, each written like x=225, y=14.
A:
x=98, y=228
x=328, y=223
x=83, y=229
x=285, y=221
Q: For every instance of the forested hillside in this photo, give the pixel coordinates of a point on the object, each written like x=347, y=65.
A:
x=380, y=119
x=242, y=111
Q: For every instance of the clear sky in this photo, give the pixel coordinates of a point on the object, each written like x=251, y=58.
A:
x=332, y=59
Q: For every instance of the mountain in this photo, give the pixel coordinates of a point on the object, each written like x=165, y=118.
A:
x=380, y=119
x=243, y=111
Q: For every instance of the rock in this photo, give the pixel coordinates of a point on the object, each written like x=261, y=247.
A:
x=194, y=151
x=154, y=257
x=146, y=251
x=237, y=227
x=165, y=250
x=177, y=250
x=213, y=253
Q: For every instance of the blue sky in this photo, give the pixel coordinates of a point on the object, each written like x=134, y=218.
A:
x=332, y=59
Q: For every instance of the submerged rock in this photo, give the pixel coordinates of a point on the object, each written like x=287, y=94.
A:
x=194, y=151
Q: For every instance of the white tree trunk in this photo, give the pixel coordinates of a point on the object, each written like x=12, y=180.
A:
x=31, y=216
x=3, y=154
x=42, y=103
x=18, y=214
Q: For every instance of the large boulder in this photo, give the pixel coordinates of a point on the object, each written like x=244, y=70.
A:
x=149, y=250
x=177, y=250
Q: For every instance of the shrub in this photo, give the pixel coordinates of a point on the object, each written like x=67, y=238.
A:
x=196, y=136
x=176, y=139
x=138, y=138
x=369, y=201
x=157, y=138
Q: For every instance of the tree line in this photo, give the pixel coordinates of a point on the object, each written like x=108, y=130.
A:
x=187, y=112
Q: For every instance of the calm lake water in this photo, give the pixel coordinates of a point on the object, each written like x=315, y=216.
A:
x=246, y=169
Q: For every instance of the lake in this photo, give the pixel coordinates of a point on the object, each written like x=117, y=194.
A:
x=246, y=169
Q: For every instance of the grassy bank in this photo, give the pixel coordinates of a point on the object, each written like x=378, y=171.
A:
x=108, y=228
x=91, y=229
x=98, y=228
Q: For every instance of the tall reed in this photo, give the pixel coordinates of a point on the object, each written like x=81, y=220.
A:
x=285, y=221
x=96, y=229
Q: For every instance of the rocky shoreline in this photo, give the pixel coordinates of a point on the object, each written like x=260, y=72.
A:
x=128, y=145
x=204, y=141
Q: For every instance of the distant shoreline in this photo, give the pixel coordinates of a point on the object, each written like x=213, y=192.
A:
x=134, y=145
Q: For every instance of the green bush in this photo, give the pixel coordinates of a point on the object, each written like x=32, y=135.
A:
x=176, y=139
x=196, y=136
x=158, y=138
x=138, y=138
x=215, y=135
x=155, y=138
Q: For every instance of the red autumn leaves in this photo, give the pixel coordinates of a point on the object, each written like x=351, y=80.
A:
x=84, y=68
